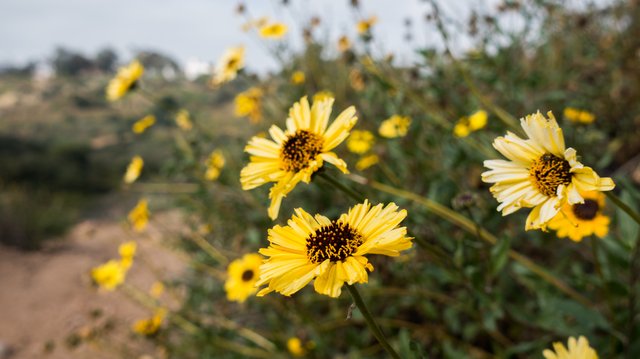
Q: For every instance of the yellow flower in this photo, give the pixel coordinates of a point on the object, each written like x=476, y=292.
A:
x=356, y=80
x=109, y=275
x=249, y=103
x=331, y=252
x=242, y=275
x=215, y=163
x=461, y=129
x=156, y=290
x=394, y=126
x=142, y=124
x=580, y=116
x=295, y=154
x=139, y=216
x=134, y=169
x=365, y=25
x=360, y=141
x=274, y=30
x=344, y=44
x=298, y=77
x=183, y=120
x=542, y=174
x=228, y=66
x=151, y=325
x=579, y=349
x=582, y=219
x=126, y=79
x=294, y=345
x=367, y=161
x=466, y=125
x=322, y=96
x=127, y=251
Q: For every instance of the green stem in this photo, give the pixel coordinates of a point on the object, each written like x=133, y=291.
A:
x=348, y=191
x=377, y=332
x=623, y=206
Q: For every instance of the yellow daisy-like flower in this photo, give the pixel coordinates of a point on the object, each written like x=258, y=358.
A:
x=542, y=174
x=322, y=96
x=296, y=153
x=126, y=79
x=331, y=252
x=127, y=251
x=142, y=124
x=394, y=126
x=367, y=161
x=274, y=30
x=344, y=44
x=580, y=116
x=109, y=275
x=298, y=77
x=183, y=120
x=139, y=216
x=578, y=349
x=295, y=347
x=133, y=170
x=466, y=125
x=242, y=275
x=151, y=325
x=215, y=163
x=249, y=103
x=360, y=141
x=582, y=219
x=228, y=66
x=364, y=26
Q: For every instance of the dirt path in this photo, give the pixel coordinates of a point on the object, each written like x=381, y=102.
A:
x=47, y=301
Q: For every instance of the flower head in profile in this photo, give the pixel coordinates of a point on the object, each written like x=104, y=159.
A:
x=296, y=153
x=139, y=216
x=580, y=220
x=360, y=141
x=249, y=103
x=150, y=326
x=183, y=120
x=273, y=30
x=133, y=170
x=367, y=161
x=395, y=126
x=142, y=124
x=242, y=275
x=298, y=78
x=364, y=26
x=330, y=251
x=466, y=125
x=344, y=44
x=127, y=251
x=578, y=349
x=214, y=165
x=541, y=172
x=297, y=348
x=580, y=116
x=125, y=80
x=228, y=66
x=109, y=275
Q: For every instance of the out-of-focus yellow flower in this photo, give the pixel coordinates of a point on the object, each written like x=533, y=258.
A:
x=249, y=103
x=127, y=251
x=274, y=30
x=142, y=124
x=109, y=275
x=242, y=275
x=156, y=290
x=344, y=43
x=205, y=229
x=461, y=129
x=367, y=161
x=394, y=126
x=255, y=23
x=133, y=170
x=580, y=116
x=294, y=345
x=466, y=125
x=364, y=26
x=125, y=80
x=322, y=96
x=215, y=163
x=139, y=216
x=298, y=77
x=183, y=120
x=360, y=141
x=356, y=80
x=151, y=325
x=228, y=66
x=579, y=349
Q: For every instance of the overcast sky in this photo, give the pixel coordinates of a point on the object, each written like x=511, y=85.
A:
x=185, y=29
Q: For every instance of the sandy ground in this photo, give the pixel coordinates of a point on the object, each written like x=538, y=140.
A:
x=47, y=300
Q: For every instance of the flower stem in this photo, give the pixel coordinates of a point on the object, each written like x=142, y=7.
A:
x=377, y=332
x=348, y=191
x=623, y=206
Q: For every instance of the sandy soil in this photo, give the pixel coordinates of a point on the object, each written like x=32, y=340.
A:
x=47, y=300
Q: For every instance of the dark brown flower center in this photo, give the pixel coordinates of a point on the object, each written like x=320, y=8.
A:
x=586, y=211
x=549, y=172
x=232, y=63
x=247, y=275
x=335, y=242
x=299, y=149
